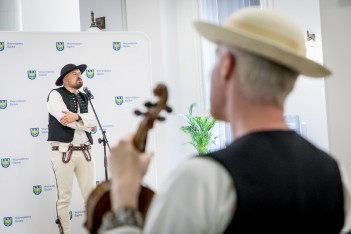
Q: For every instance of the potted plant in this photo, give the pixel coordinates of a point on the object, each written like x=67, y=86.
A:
x=199, y=129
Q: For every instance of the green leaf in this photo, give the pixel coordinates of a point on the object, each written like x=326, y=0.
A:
x=199, y=129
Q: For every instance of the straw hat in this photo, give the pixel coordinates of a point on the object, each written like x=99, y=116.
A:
x=267, y=34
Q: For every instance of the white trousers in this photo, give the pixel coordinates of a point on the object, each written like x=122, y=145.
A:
x=86, y=177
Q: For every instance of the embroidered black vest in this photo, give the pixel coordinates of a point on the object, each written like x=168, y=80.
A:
x=58, y=132
x=284, y=185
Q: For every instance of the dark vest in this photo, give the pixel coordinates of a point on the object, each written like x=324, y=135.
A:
x=58, y=132
x=284, y=185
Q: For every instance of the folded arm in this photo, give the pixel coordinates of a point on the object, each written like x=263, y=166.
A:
x=57, y=108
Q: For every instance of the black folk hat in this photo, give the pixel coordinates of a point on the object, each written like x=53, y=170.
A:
x=67, y=69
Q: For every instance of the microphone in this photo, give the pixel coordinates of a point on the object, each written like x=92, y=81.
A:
x=88, y=93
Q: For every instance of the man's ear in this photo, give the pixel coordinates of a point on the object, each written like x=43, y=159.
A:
x=64, y=79
x=227, y=65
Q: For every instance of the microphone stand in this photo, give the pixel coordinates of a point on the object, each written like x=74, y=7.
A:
x=104, y=138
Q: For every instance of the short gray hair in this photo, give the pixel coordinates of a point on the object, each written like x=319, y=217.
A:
x=262, y=80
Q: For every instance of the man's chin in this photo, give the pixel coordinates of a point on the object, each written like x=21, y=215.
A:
x=79, y=85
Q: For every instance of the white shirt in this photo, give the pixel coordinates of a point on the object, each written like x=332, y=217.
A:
x=56, y=106
x=199, y=198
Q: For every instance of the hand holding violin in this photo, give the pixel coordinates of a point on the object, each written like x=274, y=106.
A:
x=128, y=166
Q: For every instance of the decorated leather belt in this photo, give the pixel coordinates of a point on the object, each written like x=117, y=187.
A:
x=66, y=156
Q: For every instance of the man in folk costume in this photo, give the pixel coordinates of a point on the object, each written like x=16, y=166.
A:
x=70, y=122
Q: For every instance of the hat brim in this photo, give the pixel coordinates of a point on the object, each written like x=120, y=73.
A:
x=59, y=81
x=261, y=47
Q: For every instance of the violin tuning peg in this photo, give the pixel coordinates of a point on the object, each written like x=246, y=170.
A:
x=148, y=104
x=160, y=118
x=168, y=109
x=137, y=112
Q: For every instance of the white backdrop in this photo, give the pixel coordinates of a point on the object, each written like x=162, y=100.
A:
x=30, y=63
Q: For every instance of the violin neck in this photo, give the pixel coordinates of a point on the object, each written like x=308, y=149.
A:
x=140, y=139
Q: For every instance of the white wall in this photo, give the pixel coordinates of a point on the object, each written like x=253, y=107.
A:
x=10, y=17
x=50, y=15
x=175, y=62
x=336, y=31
